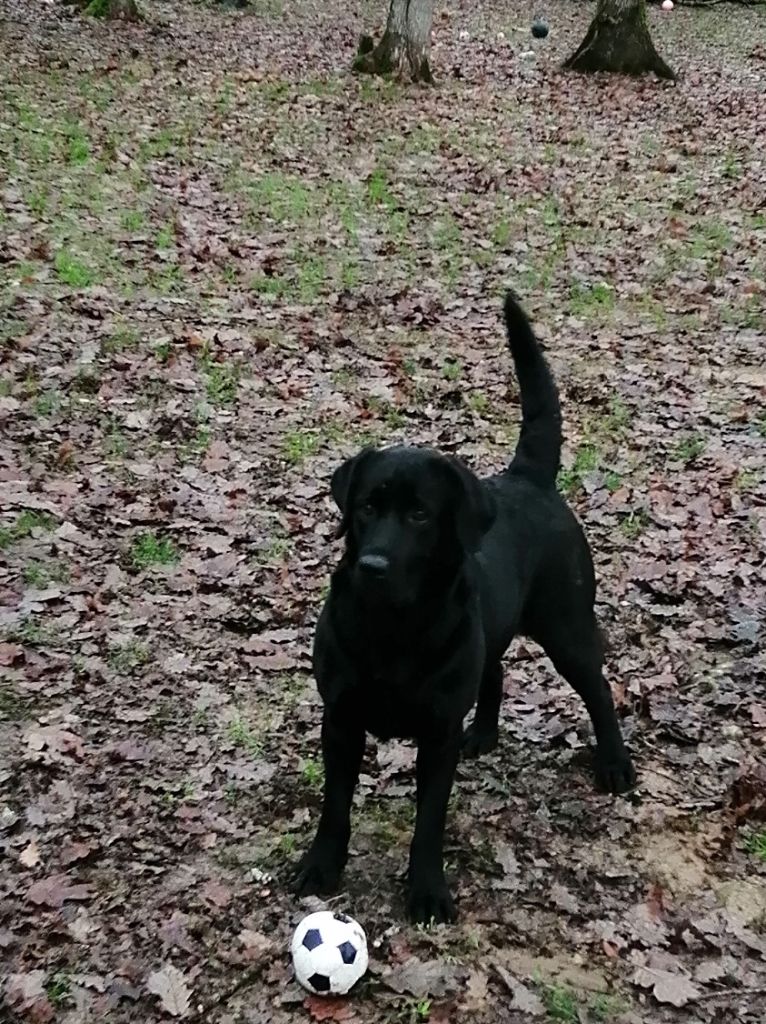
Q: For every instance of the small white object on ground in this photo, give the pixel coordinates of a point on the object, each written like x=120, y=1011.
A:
x=667, y=5
x=329, y=953
x=464, y=36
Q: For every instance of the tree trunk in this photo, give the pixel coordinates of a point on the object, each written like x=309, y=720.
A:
x=618, y=40
x=403, y=51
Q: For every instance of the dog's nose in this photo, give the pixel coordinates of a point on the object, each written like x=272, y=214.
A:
x=374, y=565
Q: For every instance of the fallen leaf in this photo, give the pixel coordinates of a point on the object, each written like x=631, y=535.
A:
x=506, y=858
x=71, y=852
x=30, y=855
x=329, y=1008
x=82, y=927
x=757, y=714
x=561, y=897
x=55, y=743
x=217, y=894
x=10, y=653
x=475, y=996
x=524, y=999
x=256, y=943
x=667, y=987
x=170, y=985
x=25, y=993
x=55, y=890
x=173, y=932
x=424, y=978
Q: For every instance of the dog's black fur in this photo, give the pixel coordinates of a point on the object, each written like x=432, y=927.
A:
x=441, y=571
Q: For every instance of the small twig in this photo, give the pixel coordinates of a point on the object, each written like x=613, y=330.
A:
x=729, y=992
x=714, y=3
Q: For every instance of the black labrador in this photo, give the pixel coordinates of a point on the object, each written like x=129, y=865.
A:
x=441, y=570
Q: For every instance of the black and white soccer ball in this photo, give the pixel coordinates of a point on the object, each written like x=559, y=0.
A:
x=329, y=953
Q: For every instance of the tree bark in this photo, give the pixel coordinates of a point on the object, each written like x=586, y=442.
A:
x=404, y=49
x=618, y=40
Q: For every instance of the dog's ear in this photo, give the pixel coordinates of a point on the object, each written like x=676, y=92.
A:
x=475, y=510
x=342, y=485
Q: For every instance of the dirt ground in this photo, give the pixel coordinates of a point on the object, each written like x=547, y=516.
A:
x=225, y=264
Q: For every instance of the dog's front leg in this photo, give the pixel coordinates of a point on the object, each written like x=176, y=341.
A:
x=429, y=897
x=342, y=750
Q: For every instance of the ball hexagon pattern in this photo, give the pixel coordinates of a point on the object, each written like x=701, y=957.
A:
x=329, y=953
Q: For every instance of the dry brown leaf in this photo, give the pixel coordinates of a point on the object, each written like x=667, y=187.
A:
x=424, y=978
x=475, y=995
x=30, y=855
x=170, y=986
x=329, y=1008
x=55, y=743
x=25, y=993
x=524, y=999
x=256, y=944
x=55, y=890
x=667, y=987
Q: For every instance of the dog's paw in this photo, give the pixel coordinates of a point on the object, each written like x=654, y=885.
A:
x=430, y=903
x=615, y=774
x=318, y=873
x=478, y=740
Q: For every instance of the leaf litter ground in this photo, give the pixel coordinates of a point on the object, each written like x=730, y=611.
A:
x=226, y=264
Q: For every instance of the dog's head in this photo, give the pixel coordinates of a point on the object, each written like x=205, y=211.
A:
x=410, y=516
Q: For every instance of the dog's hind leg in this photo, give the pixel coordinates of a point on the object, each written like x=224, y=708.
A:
x=481, y=736
x=577, y=656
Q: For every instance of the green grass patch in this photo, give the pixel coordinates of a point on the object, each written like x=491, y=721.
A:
x=221, y=383
x=148, y=549
x=121, y=339
x=48, y=403
x=312, y=273
x=591, y=302
x=312, y=774
x=33, y=633
x=28, y=521
x=40, y=574
x=634, y=523
x=240, y=734
x=709, y=239
x=452, y=369
x=59, y=989
x=127, y=657
x=132, y=220
x=617, y=421
x=755, y=844
x=265, y=284
x=12, y=706
x=78, y=146
x=279, y=198
x=72, y=271
x=567, y=1006
x=747, y=480
x=298, y=445
x=587, y=459
x=378, y=193
x=689, y=448
x=561, y=1003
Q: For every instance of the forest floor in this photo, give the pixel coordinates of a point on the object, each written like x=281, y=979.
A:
x=225, y=264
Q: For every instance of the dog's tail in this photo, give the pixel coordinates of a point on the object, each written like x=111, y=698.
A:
x=538, y=451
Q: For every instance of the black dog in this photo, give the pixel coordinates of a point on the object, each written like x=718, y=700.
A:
x=441, y=571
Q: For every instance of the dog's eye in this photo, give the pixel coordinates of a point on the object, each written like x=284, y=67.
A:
x=367, y=509
x=418, y=515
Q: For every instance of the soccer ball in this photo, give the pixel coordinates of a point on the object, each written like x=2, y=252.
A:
x=329, y=953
